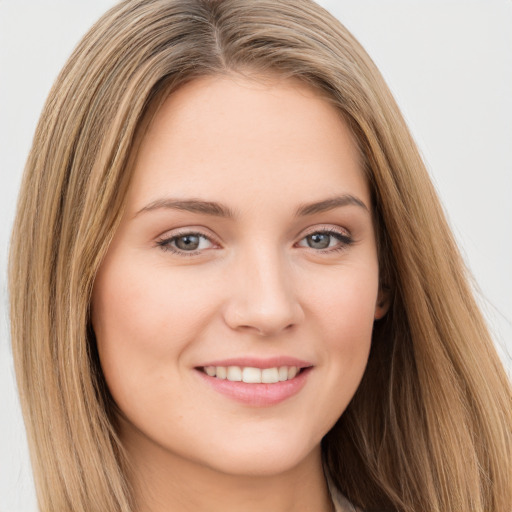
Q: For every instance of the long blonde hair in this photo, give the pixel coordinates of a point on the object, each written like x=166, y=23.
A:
x=429, y=429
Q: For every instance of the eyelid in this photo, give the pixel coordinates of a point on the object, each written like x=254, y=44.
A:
x=164, y=241
x=342, y=234
x=326, y=228
x=196, y=229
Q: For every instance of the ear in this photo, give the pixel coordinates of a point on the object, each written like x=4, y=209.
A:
x=383, y=302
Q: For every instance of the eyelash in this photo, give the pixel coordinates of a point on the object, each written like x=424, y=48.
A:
x=345, y=241
x=165, y=243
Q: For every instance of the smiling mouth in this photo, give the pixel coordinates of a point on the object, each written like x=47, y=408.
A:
x=253, y=375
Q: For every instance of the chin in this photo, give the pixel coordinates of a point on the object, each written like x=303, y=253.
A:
x=261, y=458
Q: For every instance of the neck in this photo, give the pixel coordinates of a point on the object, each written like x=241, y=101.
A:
x=163, y=482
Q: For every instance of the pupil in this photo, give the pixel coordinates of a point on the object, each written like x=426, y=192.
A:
x=318, y=241
x=187, y=242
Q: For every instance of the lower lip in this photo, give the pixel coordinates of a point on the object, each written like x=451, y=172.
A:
x=258, y=395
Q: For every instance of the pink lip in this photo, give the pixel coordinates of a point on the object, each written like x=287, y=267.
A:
x=258, y=395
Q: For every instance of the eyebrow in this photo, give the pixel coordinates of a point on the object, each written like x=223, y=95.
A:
x=218, y=210
x=189, y=205
x=330, y=204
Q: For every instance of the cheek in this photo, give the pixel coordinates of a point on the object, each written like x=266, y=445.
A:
x=147, y=303
x=144, y=319
x=344, y=316
x=344, y=302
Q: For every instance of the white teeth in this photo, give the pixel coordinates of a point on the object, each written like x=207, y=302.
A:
x=210, y=370
x=252, y=375
x=270, y=375
x=234, y=373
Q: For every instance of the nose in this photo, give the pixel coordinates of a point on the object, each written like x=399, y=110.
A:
x=263, y=298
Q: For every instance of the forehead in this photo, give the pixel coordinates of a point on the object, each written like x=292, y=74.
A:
x=220, y=134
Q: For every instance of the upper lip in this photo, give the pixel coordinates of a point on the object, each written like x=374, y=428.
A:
x=262, y=363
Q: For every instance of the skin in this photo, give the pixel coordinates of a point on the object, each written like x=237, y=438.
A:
x=255, y=287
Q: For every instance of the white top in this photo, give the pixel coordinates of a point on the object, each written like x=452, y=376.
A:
x=341, y=504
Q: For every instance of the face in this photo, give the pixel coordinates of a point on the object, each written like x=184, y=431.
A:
x=246, y=251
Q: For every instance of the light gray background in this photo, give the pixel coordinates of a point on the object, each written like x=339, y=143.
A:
x=449, y=64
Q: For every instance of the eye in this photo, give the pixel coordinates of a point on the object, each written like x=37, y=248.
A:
x=182, y=243
x=326, y=240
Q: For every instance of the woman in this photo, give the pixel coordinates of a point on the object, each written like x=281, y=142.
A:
x=230, y=275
